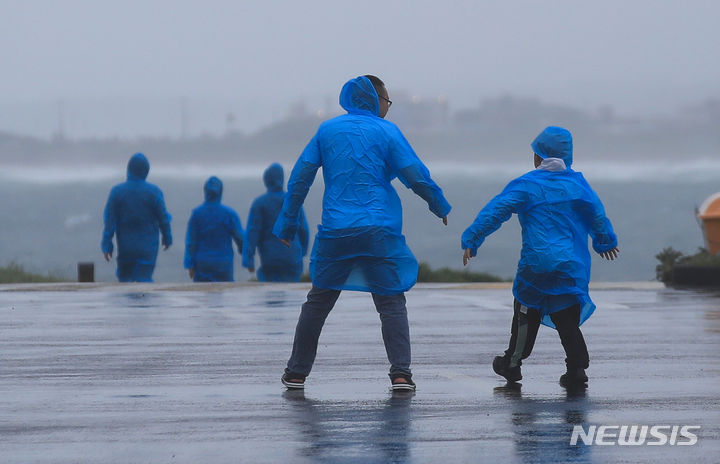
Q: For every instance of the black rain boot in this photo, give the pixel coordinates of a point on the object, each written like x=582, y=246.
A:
x=502, y=368
x=573, y=377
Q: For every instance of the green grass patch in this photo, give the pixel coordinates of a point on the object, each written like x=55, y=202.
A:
x=14, y=273
x=445, y=275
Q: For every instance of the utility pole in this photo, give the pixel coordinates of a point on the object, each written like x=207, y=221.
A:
x=183, y=118
x=60, y=134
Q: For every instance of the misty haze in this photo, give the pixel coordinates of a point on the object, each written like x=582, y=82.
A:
x=228, y=88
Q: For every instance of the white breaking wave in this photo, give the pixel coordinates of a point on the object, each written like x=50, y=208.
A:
x=92, y=174
x=680, y=171
x=76, y=220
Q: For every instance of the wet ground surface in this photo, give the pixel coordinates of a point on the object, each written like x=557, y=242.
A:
x=190, y=374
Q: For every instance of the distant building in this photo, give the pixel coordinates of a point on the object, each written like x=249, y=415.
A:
x=419, y=114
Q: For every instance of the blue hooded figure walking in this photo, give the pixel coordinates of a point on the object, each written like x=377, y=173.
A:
x=135, y=213
x=359, y=245
x=211, y=229
x=277, y=262
x=557, y=210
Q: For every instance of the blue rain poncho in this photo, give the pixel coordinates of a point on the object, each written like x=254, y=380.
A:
x=557, y=210
x=359, y=245
x=135, y=212
x=210, y=232
x=278, y=262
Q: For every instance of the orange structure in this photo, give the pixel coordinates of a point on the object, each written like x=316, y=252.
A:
x=709, y=214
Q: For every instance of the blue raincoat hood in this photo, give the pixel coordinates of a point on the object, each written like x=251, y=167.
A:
x=213, y=189
x=138, y=167
x=554, y=142
x=358, y=96
x=274, y=177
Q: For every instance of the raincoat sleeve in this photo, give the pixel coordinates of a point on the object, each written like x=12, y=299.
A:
x=190, y=243
x=110, y=221
x=491, y=217
x=237, y=231
x=252, y=236
x=164, y=220
x=600, y=229
x=303, y=233
x=301, y=178
x=415, y=175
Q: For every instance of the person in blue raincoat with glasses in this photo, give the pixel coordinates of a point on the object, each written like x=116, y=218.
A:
x=135, y=213
x=277, y=262
x=211, y=230
x=359, y=245
x=557, y=210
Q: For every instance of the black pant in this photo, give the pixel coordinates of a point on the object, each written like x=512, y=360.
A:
x=567, y=322
x=320, y=301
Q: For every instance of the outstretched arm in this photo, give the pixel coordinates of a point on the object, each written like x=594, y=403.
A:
x=190, y=244
x=304, y=233
x=415, y=175
x=110, y=222
x=237, y=231
x=491, y=217
x=301, y=178
x=417, y=178
x=604, y=240
x=252, y=237
x=164, y=219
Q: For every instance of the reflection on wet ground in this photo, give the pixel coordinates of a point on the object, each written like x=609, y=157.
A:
x=541, y=428
x=157, y=374
x=333, y=432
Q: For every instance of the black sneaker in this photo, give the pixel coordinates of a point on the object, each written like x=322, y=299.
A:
x=293, y=381
x=500, y=366
x=405, y=382
x=573, y=377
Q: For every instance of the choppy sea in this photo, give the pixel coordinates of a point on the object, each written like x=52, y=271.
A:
x=51, y=218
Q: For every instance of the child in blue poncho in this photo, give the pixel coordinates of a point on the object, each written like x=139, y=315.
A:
x=557, y=210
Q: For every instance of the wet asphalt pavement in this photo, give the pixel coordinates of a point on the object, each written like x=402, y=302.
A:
x=157, y=373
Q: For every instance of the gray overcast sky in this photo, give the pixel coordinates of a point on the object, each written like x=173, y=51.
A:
x=641, y=56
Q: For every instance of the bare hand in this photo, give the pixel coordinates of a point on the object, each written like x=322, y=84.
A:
x=191, y=273
x=610, y=254
x=107, y=256
x=285, y=242
x=445, y=220
x=466, y=256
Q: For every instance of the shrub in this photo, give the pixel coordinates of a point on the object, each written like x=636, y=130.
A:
x=14, y=273
x=444, y=275
x=670, y=258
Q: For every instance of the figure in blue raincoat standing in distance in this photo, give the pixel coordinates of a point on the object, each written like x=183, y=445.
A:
x=211, y=229
x=557, y=210
x=359, y=245
x=277, y=262
x=135, y=213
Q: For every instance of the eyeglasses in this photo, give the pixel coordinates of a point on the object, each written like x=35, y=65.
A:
x=389, y=102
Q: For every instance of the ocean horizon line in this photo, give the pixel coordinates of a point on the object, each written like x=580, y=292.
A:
x=682, y=171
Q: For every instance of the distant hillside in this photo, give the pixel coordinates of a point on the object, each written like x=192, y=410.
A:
x=497, y=127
